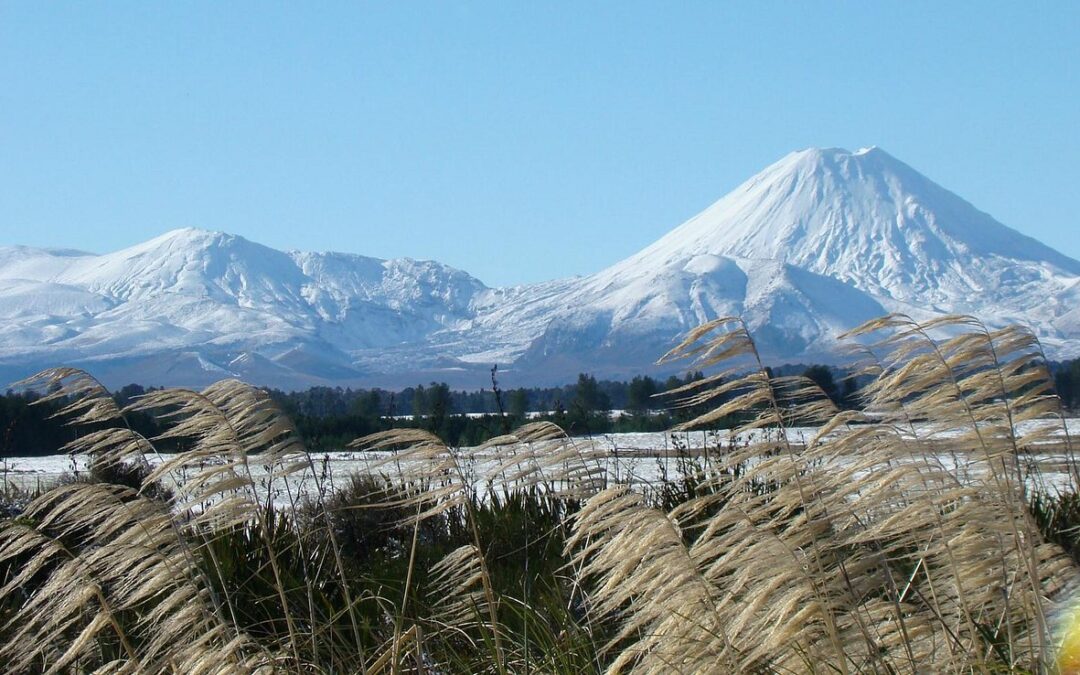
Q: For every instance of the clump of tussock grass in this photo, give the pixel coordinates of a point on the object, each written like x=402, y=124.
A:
x=187, y=562
x=910, y=534
x=897, y=537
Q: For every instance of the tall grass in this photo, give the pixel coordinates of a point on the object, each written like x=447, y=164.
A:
x=913, y=534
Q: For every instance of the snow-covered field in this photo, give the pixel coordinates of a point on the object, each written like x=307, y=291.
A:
x=637, y=458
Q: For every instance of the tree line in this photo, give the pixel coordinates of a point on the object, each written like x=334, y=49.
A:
x=329, y=417
x=1067, y=383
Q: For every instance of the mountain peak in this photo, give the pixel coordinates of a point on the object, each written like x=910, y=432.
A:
x=194, y=236
x=810, y=158
x=863, y=217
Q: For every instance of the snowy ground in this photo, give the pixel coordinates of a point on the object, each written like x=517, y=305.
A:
x=637, y=458
x=626, y=450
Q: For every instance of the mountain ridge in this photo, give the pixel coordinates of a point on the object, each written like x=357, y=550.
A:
x=810, y=246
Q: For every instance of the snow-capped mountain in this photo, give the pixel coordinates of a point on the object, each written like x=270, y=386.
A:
x=811, y=246
x=192, y=306
x=872, y=221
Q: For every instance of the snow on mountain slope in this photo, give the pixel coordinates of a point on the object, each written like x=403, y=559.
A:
x=194, y=293
x=366, y=303
x=871, y=220
x=622, y=319
x=811, y=246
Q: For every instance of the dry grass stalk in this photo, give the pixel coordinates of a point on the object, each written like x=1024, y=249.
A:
x=867, y=549
x=891, y=538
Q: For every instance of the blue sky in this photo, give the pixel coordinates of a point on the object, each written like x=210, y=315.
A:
x=519, y=141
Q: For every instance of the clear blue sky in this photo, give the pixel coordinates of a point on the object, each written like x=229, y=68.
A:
x=519, y=141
